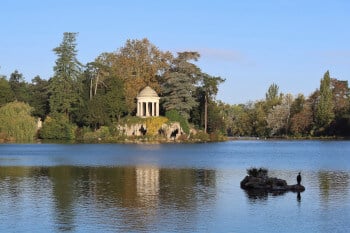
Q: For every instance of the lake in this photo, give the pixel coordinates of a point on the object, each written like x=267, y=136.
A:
x=172, y=187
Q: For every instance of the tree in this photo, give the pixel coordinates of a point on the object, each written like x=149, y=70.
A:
x=16, y=121
x=341, y=96
x=57, y=127
x=65, y=86
x=325, y=107
x=19, y=86
x=38, y=96
x=139, y=64
x=279, y=116
x=301, y=122
x=210, y=89
x=179, y=86
x=115, y=98
x=6, y=94
x=272, y=92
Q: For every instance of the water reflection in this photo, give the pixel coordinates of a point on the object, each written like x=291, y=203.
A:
x=263, y=195
x=333, y=185
x=124, y=198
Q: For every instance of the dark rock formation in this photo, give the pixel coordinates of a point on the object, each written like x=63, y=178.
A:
x=269, y=184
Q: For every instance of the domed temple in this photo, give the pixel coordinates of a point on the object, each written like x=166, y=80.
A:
x=147, y=103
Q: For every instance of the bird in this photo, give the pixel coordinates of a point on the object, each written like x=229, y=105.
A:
x=299, y=178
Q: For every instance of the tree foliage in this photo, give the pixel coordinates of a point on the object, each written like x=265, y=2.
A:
x=325, y=106
x=6, y=93
x=139, y=64
x=57, y=127
x=179, y=87
x=65, y=86
x=16, y=121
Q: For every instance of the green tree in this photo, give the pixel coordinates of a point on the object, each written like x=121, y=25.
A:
x=325, y=107
x=210, y=87
x=19, y=86
x=179, y=84
x=39, y=97
x=272, y=96
x=6, y=94
x=115, y=98
x=16, y=121
x=57, y=127
x=174, y=115
x=65, y=85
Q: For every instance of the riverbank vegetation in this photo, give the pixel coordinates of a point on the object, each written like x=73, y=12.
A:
x=88, y=101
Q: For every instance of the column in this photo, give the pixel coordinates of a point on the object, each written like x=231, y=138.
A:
x=154, y=109
x=138, y=109
x=157, y=103
x=147, y=112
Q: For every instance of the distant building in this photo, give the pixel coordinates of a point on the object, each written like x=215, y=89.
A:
x=147, y=103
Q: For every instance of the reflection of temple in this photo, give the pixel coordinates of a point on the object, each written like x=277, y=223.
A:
x=147, y=183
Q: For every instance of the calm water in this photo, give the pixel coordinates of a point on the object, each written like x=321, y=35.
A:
x=172, y=188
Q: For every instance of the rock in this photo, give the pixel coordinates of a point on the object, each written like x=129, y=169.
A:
x=269, y=184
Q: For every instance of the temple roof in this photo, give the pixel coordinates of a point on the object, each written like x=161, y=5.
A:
x=147, y=92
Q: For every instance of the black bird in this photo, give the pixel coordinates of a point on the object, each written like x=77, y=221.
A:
x=299, y=178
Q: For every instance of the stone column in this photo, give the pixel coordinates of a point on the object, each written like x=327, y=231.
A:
x=154, y=109
x=157, y=103
x=147, y=113
x=138, y=109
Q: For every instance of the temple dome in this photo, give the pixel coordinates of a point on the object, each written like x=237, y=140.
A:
x=147, y=92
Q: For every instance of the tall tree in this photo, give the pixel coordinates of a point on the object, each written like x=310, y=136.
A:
x=179, y=84
x=139, y=63
x=272, y=96
x=210, y=87
x=65, y=86
x=325, y=107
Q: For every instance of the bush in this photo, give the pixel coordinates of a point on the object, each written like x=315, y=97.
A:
x=57, y=127
x=154, y=124
x=261, y=172
x=174, y=115
x=16, y=122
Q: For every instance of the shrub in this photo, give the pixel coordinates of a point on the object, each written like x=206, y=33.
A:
x=154, y=124
x=261, y=172
x=16, y=121
x=174, y=115
x=57, y=127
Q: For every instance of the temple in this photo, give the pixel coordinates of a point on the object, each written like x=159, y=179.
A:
x=147, y=103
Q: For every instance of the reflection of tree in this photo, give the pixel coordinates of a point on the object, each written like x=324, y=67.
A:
x=126, y=198
x=333, y=184
x=63, y=191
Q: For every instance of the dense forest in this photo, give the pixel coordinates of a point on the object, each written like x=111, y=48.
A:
x=82, y=99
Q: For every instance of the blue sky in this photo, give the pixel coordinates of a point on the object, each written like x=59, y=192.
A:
x=251, y=44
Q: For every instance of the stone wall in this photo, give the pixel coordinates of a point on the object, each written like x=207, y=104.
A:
x=169, y=130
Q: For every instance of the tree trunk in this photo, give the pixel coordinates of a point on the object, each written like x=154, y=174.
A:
x=205, y=114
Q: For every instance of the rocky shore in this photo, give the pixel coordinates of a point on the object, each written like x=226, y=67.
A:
x=257, y=179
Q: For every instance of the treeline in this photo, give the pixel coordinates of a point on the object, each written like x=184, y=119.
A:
x=83, y=98
x=325, y=113
x=101, y=93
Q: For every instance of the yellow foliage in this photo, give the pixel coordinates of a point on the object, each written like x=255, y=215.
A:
x=153, y=124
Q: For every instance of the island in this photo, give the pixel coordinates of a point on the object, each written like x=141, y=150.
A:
x=258, y=180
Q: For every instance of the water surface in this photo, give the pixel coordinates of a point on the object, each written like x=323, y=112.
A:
x=172, y=187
